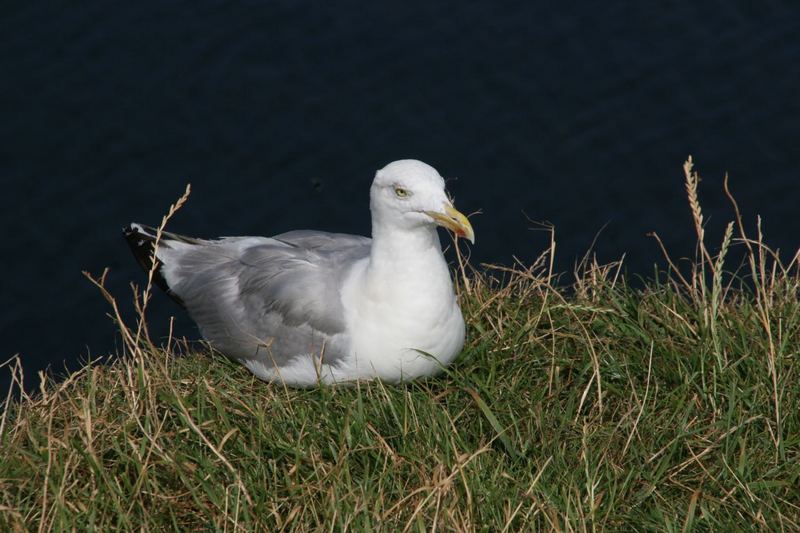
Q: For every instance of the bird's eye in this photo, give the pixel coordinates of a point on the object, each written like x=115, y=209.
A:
x=401, y=192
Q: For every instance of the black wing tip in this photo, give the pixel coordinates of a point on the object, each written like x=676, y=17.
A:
x=142, y=244
x=130, y=229
x=134, y=228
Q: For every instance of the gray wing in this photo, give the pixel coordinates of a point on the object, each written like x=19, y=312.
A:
x=274, y=298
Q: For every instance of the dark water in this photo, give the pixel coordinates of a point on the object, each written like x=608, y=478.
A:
x=279, y=114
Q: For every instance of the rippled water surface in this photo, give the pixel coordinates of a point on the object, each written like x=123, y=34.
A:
x=279, y=114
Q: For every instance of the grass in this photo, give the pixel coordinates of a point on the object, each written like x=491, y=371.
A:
x=594, y=406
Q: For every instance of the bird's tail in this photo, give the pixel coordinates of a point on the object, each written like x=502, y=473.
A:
x=142, y=240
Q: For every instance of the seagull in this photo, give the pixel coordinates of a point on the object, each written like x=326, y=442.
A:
x=305, y=308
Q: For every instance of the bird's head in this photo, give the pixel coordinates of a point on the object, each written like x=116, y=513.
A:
x=409, y=193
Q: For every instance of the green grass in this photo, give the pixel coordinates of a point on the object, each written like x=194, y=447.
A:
x=597, y=406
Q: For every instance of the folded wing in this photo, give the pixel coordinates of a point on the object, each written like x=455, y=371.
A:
x=264, y=299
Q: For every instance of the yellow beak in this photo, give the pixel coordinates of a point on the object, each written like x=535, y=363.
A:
x=455, y=221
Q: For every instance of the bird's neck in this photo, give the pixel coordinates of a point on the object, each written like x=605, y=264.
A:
x=406, y=256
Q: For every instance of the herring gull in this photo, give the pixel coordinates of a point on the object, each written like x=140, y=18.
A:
x=309, y=307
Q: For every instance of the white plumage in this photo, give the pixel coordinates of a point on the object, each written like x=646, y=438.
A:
x=307, y=307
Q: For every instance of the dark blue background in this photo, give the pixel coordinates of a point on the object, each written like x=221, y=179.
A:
x=279, y=113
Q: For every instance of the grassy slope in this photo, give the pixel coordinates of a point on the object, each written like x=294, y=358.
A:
x=602, y=407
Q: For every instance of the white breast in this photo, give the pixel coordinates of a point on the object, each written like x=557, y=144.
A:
x=405, y=328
